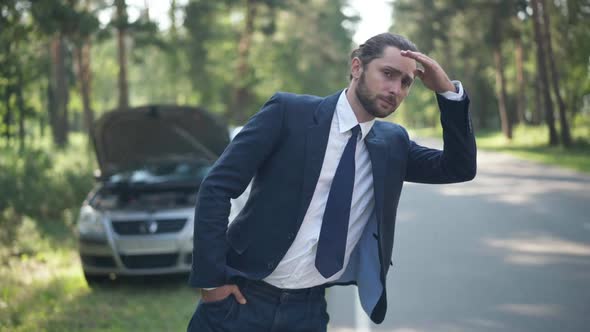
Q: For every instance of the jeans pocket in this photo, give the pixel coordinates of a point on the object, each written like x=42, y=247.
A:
x=222, y=309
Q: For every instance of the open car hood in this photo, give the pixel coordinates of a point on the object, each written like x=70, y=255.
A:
x=142, y=135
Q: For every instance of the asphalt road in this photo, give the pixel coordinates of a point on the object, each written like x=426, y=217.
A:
x=509, y=251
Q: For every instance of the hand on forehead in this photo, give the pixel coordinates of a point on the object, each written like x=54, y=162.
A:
x=431, y=73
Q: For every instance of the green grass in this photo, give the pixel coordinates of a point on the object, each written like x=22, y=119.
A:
x=531, y=143
x=44, y=290
x=42, y=287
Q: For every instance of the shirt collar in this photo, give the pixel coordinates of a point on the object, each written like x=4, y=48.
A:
x=346, y=118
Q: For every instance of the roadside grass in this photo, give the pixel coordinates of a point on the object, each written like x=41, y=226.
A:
x=45, y=290
x=531, y=143
x=48, y=292
x=42, y=287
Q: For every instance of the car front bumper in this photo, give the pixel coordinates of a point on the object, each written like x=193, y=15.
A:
x=137, y=254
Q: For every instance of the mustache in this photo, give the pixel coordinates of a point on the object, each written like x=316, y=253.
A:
x=389, y=98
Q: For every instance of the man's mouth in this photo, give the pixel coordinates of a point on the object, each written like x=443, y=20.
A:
x=389, y=101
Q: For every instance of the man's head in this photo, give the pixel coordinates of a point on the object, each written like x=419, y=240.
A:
x=380, y=76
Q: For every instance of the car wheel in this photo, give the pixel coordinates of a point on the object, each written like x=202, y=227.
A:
x=94, y=280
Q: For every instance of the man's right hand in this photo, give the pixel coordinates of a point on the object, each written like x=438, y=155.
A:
x=221, y=293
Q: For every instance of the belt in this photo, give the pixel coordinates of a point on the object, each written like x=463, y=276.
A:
x=277, y=294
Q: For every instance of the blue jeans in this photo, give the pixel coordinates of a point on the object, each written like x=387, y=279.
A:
x=268, y=309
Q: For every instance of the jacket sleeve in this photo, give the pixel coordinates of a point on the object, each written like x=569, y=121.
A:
x=227, y=179
x=457, y=161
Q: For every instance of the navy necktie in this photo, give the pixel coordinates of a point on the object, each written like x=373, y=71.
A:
x=332, y=243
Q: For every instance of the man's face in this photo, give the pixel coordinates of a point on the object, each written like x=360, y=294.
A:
x=385, y=82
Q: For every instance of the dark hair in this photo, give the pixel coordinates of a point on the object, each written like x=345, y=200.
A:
x=374, y=46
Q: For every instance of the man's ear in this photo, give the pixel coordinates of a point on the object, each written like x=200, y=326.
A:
x=356, y=68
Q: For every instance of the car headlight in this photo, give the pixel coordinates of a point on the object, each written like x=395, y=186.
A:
x=90, y=222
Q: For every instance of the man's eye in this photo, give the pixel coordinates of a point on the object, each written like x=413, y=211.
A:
x=388, y=74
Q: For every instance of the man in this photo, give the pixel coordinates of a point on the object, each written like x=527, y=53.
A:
x=326, y=183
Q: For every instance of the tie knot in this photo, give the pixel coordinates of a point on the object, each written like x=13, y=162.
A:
x=355, y=130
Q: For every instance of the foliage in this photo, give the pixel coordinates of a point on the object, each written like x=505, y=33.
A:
x=294, y=62
x=463, y=35
x=283, y=56
x=42, y=184
x=297, y=46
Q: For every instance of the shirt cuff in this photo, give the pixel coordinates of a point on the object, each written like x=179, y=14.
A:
x=457, y=95
x=209, y=288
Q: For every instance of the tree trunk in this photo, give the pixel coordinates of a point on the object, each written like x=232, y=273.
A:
x=497, y=39
x=520, y=99
x=175, y=42
x=543, y=77
x=51, y=103
x=59, y=92
x=21, y=110
x=538, y=110
x=448, y=52
x=501, y=92
x=84, y=77
x=122, y=22
x=242, y=94
x=566, y=139
x=7, y=115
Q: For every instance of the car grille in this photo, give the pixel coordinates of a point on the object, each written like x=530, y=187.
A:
x=149, y=261
x=98, y=261
x=142, y=227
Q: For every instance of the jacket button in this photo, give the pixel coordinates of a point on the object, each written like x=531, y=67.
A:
x=270, y=265
x=291, y=236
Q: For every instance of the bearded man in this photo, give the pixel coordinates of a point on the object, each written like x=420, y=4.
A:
x=326, y=181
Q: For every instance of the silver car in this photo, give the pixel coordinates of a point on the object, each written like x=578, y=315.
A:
x=138, y=220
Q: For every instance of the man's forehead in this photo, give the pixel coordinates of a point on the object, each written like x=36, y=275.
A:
x=392, y=58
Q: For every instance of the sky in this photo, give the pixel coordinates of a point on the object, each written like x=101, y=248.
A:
x=375, y=18
x=375, y=15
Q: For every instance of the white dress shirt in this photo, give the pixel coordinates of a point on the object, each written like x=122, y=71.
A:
x=297, y=268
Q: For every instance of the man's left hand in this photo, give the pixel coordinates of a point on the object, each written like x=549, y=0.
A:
x=433, y=76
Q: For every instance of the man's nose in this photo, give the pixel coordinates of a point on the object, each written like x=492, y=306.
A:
x=395, y=87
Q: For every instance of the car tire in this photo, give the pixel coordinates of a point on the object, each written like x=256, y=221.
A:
x=94, y=280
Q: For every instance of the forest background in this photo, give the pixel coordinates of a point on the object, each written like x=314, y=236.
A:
x=65, y=62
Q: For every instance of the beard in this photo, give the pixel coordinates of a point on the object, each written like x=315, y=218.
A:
x=369, y=102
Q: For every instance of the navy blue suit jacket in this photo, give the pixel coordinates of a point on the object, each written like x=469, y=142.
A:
x=282, y=149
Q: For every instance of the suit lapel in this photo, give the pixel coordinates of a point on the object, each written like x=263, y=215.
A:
x=378, y=153
x=316, y=142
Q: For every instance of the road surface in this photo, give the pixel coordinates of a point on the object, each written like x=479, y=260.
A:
x=509, y=251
